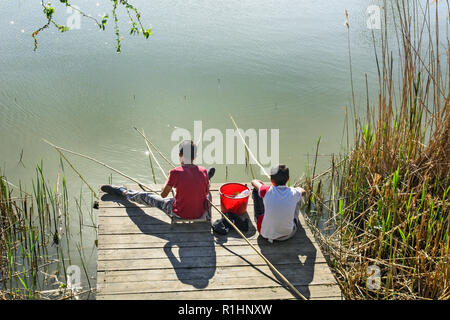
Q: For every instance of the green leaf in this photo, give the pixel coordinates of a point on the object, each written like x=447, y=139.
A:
x=147, y=33
x=402, y=235
x=23, y=283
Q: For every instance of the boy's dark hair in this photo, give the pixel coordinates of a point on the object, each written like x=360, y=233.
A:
x=280, y=174
x=188, y=148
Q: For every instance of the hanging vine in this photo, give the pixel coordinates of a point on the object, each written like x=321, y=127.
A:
x=133, y=14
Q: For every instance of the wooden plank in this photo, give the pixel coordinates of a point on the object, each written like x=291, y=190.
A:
x=188, y=239
x=273, y=293
x=138, y=242
x=153, y=228
x=203, y=251
x=212, y=284
x=138, y=218
x=135, y=212
x=196, y=262
x=180, y=238
x=235, y=272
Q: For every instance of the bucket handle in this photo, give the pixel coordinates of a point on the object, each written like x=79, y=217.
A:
x=224, y=195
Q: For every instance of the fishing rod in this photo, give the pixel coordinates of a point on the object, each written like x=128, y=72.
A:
x=143, y=186
x=153, y=155
x=157, y=150
x=149, y=151
x=248, y=149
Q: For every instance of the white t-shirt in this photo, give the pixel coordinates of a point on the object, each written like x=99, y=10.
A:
x=280, y=203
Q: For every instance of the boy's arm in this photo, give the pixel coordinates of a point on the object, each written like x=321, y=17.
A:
x=165, y=191
x=302, y=191
x=257, y=184
x=170, y=183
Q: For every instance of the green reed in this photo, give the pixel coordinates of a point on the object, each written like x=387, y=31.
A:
x=33, y=257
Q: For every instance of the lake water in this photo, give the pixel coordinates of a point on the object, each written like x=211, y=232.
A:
x=271, y=64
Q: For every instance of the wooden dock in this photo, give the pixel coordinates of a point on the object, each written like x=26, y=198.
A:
x=142, y=256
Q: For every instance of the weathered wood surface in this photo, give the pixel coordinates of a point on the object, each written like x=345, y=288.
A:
x=142, y=256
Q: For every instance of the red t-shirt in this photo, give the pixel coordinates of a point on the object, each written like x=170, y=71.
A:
x=192, y=184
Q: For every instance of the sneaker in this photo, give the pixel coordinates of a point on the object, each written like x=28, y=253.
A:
x=240, y=223
x=211, y=172
x=114, y=190
x=220, y=228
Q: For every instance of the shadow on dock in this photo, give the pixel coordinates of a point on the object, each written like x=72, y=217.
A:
x=294, y=259
x=195, y=265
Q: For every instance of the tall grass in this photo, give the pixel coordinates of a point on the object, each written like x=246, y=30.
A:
x=35, y=240
x=390, y=195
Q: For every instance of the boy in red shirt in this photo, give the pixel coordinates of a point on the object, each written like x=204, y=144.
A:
x=190, y=181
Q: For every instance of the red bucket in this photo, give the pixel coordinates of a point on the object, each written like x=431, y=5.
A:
x=230, y=204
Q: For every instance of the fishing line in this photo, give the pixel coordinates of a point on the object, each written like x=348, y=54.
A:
x=248, y=149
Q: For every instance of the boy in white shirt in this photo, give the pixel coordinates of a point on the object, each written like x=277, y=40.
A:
x=277, y=206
